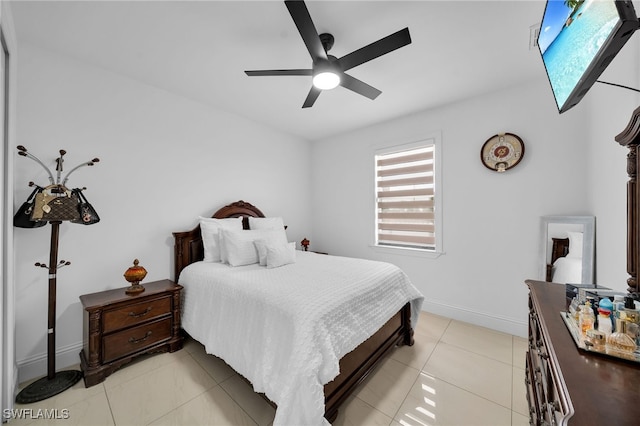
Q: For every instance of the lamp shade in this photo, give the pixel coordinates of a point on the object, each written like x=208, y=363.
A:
x=326, y=75
x=326, y=80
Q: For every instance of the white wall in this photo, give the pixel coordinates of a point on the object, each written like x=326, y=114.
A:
x=491, y=221
x=572, y=166
x=164, y=160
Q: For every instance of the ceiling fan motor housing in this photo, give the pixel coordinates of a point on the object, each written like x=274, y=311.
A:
x=327, y=41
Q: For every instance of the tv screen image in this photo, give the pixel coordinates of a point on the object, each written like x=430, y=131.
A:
x=578, y=39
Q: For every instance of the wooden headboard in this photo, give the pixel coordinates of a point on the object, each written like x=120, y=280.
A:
x=188, y=247
x=559, y=249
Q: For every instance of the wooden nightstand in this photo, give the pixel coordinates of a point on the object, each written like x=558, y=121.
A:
x=119, y=327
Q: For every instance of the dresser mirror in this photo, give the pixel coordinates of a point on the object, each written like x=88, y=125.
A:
x=567, y=249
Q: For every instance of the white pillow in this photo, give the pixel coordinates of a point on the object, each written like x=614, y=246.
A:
x=266, y=223
x=210, y=231
x=280, y=254
x=261, y=246
x=240, y=247
x=575, y=245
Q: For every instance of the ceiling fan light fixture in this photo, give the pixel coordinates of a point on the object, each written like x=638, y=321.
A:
x=326, y=80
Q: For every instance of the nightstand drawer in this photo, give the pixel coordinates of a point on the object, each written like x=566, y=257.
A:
x=136, y=313
x=135, y=339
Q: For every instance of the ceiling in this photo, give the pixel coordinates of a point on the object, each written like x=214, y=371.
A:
x=200, y=49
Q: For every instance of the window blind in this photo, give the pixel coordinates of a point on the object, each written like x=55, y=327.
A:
x=405, y=190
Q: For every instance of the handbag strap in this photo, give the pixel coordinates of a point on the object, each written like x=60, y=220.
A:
x=81, y=196
x=33, y=194
x=57, y=189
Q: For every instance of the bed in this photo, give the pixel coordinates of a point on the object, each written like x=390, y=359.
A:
x=296, y=396
x=566, y=264
x=559, y=249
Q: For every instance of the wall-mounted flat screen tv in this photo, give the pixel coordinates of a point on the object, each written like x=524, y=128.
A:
x=578, y=40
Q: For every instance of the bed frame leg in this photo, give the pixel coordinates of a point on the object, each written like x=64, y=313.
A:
x=332, y=416
x=406, y=322
x=408, y=337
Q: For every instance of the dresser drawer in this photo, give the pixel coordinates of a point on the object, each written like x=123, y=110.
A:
x=135, y=339
x=136, y=313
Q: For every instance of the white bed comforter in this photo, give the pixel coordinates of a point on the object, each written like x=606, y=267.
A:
x=285, y=329
x=567, y=270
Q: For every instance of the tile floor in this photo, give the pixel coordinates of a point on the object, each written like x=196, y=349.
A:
x=455, y=374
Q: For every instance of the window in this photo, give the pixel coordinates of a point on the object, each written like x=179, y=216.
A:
x=407, y=197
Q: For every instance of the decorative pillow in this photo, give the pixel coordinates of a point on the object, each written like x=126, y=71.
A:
x=261, y=246
x=266, y=223
x=280, y=254
x=240, y=247
x=575, y=244
x=210, y=231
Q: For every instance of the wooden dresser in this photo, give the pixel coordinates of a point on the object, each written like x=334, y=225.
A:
x=569, y=386
x=119, y=327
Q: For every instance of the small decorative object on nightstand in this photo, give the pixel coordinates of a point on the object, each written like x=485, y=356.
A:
x=119, y=327
x=305, y=246
x=134, y=275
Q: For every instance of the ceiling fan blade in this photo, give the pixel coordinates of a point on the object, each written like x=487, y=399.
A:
x=261, y=73
x=302, y=19
x=376, y=49
x=311, y=97
x=358, y=86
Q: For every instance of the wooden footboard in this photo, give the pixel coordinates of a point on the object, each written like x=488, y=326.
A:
x=357, y=364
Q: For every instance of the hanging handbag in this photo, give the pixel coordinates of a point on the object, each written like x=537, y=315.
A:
x=22, y=218
x=55, y=203
x=88, y=215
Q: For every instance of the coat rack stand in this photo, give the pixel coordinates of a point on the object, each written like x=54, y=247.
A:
x=54, y=382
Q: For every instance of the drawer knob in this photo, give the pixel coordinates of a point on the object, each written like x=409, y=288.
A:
x=140, y=314
x=142, y=339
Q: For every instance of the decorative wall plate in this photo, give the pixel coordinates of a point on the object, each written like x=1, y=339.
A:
x=502, y=152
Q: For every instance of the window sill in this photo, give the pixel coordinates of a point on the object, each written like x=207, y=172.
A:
x=401, y=251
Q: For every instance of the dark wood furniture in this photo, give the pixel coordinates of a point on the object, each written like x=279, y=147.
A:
x=630, y=137
x=559, y=248
x=356, y=365
x=566, y=385
x=119, y=327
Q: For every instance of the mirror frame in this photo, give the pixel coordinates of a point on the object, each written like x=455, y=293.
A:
x=588, y=243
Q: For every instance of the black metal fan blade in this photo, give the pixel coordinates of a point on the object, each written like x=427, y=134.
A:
x=376, y=49
x=311, y=97
x=358, y=86
x=262, y=73
x=302, y=19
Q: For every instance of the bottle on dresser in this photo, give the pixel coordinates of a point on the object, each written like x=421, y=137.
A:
x=587, y=318
x=604, y=321
x=632, y=317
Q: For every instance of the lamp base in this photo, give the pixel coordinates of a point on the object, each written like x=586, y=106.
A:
x=46, y=388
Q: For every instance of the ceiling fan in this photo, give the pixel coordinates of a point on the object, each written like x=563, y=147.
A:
x=327, y=70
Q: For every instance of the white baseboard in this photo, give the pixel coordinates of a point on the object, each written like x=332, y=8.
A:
x=36, y=366
x=483, y=319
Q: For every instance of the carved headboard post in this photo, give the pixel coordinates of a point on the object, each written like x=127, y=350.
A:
x=188, y=246
x=630, y=137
